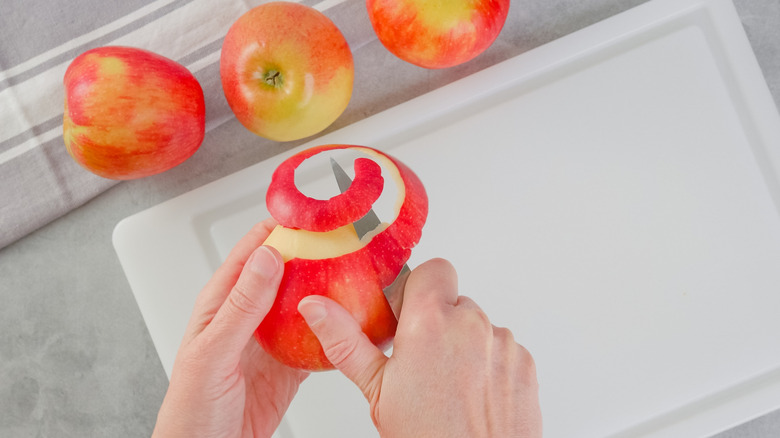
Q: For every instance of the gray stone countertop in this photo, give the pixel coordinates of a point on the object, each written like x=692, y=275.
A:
x=75, y=357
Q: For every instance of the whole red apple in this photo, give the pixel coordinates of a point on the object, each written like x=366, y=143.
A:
x=130, y=113
x=287, y=71
x=327, y=257
x=437, y=33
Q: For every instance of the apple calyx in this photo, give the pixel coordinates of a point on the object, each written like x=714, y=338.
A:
x=273, y=78
x=335, y=263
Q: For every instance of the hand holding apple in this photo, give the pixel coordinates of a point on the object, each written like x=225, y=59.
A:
x=327, y=258
x=130, y=113
x=437, y=33
x=222, y=382
x=287, y=71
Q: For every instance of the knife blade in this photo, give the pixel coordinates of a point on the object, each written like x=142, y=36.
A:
x=367, y=222
x=393, y=292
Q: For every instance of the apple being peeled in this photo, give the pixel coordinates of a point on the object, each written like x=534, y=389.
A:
x=437, y=33
x=286, y=70
x=130, y=113
x=324, y=256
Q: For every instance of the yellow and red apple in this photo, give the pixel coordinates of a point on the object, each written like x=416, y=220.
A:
x=323, y=254
x=131, y=113
x=437, y=33
x=287, y=71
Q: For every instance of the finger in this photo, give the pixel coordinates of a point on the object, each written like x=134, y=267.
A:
x=435, y=282
x=344, y=343
x=246, y=305
x=228, y=272
x=217, y=289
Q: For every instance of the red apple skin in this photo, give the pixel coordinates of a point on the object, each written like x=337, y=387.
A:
x=293, y=209
x=287, y=71
x=350, y=281
x=355, y=280
x=131, y=113
x=437, y=33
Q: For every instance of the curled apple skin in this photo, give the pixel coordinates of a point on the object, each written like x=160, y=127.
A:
x=293, y=209
x=349, y=270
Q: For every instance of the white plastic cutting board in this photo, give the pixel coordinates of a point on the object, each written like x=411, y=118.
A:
x=612, y=197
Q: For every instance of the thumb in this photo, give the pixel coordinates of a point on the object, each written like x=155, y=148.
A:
x=247, y=304
x=344, y=343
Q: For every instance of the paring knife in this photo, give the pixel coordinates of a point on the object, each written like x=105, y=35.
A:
x=394, y=293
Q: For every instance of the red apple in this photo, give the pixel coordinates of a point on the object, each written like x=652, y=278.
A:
x=130, y=113
x=335, y=263
x=437, y=33
x=286, y=71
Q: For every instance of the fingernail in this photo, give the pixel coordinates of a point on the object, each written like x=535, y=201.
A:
x=312, y=310
x=264, y=262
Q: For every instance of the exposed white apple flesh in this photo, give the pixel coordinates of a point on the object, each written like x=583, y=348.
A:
x=312, y=245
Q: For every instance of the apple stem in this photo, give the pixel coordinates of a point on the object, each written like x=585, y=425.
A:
x=273, y=78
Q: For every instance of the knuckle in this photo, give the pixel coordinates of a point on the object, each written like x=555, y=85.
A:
x=516, y=357
x=526, y=366
x=241, y=302
x=483, y=320
x=477, y=317
x=504, y=335
x=478, y=321
x=340, y=351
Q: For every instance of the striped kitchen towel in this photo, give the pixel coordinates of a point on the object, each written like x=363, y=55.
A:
x=39, y=182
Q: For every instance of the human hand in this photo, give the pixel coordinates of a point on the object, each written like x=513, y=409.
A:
x=223, y=384
x=451, y=374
